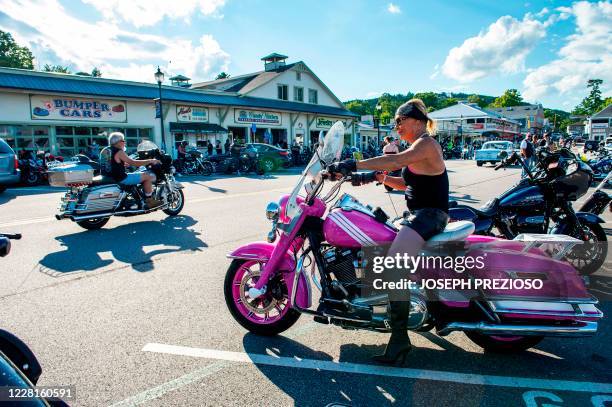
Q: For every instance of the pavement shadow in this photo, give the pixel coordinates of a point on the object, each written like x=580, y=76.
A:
x=126, y=244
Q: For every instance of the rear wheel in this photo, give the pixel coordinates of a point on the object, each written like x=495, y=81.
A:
x=588, y=257
x=32, y=179
x=388, y=188
x=479, y=163
x=269, y=314
x=503, y=344
x=93, y=224
x=2, y=188
x=176, y=201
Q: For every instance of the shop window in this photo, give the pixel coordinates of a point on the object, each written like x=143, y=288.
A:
x=82, y=131
x=131, y=133
x=313, y=96
x=480, y=120
x=145, y=134
x=283, y=92
x=470, y=121
x=298, y=93
x=64, y=131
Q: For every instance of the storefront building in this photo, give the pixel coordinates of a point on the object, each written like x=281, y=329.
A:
x=70, y=114
x=600, y=124
x=467, y=121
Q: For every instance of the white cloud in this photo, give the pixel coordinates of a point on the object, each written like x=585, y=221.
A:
x=149, y=12
x=502, y=47
x=393, y=9
x=436, y=72
x=587, y=54
x=116, y=52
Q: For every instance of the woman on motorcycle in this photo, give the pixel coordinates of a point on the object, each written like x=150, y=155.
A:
x=390, y=147
x=425, y=182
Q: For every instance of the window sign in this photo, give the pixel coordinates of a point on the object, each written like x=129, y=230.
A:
x=327, y=122
x=44, y=107
x=256, y=116
x=192, y=114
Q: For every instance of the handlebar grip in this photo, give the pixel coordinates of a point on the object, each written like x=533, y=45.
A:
x=15, y=236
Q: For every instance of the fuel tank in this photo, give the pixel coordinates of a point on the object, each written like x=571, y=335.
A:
x=525, y=198
x=355, y=228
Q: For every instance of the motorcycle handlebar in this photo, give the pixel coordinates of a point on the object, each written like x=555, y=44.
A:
x=13, y=236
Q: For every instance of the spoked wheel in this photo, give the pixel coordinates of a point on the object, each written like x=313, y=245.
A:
x=93, y=224
x=503, y=344
x=268, y=165
x=206, y=169
x=588, y=257
x=32, y=179
x=176, y=201
x=267, y=315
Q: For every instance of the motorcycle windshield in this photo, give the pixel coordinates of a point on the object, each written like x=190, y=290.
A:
x=147, y=145
x=328, y=151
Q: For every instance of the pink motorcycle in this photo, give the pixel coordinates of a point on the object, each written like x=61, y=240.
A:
x=269, y=284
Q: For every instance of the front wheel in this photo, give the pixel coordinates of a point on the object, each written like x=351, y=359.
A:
x=32, y=179
x=176, y=201
x=268, y=165
x=388, y=188
x=93, y=224
x=267, y=315
x=479, y=163
x=503, y=344
x=206, y=169
x=2, y=188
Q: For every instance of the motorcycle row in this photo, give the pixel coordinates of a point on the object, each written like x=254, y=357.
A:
x=318, y=240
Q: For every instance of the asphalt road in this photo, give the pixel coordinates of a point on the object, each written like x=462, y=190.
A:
x=134, y=314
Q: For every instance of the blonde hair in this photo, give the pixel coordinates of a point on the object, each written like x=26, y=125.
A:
x=419, y=104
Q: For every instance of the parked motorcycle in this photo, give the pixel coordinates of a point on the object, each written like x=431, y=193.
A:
x=91, y=201
x=544, y=197
x=195, y=163
x=268, y=285
x=5, y=242
x=601, y=167
x=599, y=199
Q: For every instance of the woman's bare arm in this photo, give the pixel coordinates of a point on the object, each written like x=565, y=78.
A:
x=397, y=183
x=419, y=151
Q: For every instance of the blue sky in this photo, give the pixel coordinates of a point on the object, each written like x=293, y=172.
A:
x=361, y=48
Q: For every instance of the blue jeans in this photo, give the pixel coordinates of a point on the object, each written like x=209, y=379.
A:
x=529, y=164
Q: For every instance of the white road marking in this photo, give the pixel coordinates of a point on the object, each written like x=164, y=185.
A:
x=195, y=376
x=355, y=368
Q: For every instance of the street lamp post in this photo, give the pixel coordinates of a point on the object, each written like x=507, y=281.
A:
x=378, y=109
x=159, y=77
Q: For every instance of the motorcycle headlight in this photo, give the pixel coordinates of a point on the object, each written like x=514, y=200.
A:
x=272, y=211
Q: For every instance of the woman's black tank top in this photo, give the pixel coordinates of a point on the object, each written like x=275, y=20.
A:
x=117, y=169
x=426, y=191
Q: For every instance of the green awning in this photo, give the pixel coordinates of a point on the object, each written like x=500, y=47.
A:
x=196, y=128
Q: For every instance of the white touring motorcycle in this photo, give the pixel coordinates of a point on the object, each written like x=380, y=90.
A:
x=91, y=201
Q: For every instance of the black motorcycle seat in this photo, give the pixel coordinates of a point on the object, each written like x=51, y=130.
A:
x=102, y=180
x=488, y=210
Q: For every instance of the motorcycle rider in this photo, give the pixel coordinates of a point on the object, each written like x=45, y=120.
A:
x=425, y=182
x=119, y=160
x=390, y=146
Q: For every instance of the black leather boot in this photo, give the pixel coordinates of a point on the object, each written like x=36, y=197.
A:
x=399, y=343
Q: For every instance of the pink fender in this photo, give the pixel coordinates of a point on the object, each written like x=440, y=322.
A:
x=263, y=251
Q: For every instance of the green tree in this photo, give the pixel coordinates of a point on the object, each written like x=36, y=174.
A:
x=557, y=118
x=222, y=75
x=13, y=55
x=511, y=97
x=477, y=99
x=429, y=98
x=96, y=73
x=592, y=103
x=81, y=73
x=56, y=68
x=447, y=102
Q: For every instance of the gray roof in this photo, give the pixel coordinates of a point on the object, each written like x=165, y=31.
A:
x=604, y=113
x=274, y=55
x=46, y=82
x=465, y=111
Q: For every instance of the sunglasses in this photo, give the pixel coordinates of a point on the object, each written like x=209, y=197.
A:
x=399, y=120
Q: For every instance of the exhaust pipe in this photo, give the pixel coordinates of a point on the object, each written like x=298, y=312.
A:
x=587, y=328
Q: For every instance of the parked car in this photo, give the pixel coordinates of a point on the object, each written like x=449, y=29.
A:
x=271, y=157
x=9, y=166
x=493, y=152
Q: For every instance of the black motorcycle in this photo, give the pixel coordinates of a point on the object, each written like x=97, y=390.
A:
x=599, y=199
x=5, y=242
x=544, y=197
x=195, y=163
